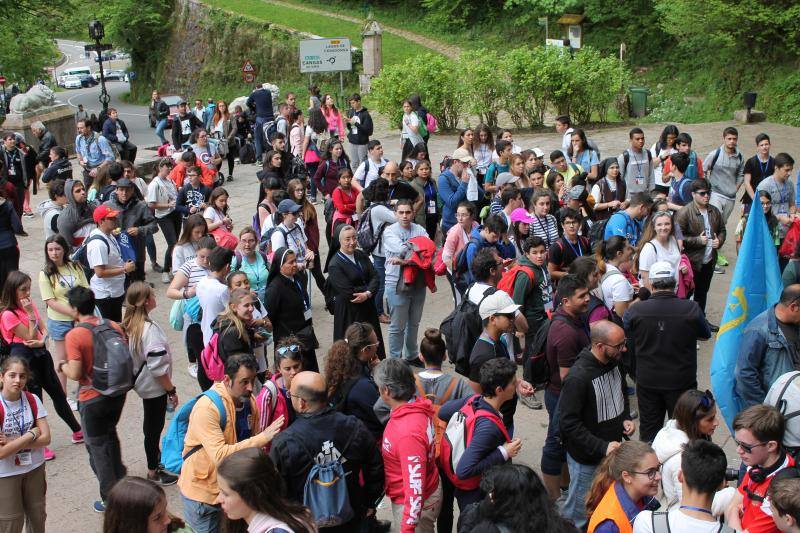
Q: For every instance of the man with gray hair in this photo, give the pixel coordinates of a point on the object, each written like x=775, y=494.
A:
x=664, y=331
x=412, y=479
x=46, y=142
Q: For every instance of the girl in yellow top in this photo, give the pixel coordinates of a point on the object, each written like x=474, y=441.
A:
x=625, y=483
x=58, y=276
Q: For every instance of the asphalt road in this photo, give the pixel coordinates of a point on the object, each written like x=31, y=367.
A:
x=135, y=116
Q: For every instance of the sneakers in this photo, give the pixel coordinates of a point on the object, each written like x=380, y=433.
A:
x=713, y=327
x=49, y=455
x=531, y=402
x=155, y=267
x=77, y=437
x=718, y=269
x=99, y=506
x=28, y=215
x=193, y=370
x=163, y=478
x=722, y=261
x=72, y=403
x=230, y=177
x=165, y=278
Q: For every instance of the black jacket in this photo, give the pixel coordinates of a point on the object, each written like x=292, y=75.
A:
x=229, y=342
x=285, y=306
x=47, y=142
x=260, y=101
x=60, y=169
x=664, y=331
x=178, y=138
x=363, y=129
x=592, y=407
x=323, y=434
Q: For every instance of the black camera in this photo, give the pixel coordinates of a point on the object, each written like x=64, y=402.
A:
x=731, y=474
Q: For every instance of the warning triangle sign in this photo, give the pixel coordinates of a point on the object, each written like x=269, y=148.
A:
x=248, y=67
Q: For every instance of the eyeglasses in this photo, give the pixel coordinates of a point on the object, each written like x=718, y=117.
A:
x=294, y=348
x=571, y=222
x=651, y=473
x=374, y=344
x=748, y=448
x=619, y=346
x=291, y=395
x=702, y=193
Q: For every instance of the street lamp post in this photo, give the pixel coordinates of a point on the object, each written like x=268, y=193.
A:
x=97, y=32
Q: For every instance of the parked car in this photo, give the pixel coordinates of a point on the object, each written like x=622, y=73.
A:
x=118, y=75
x=87, y=80
x=172, y=101
x=72, y=82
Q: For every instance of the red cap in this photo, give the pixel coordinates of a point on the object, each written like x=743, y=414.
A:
x=102, y=212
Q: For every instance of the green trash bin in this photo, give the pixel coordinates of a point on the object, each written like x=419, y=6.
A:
x=638, y=101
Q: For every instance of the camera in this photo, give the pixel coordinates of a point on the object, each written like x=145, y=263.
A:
x=731, y=474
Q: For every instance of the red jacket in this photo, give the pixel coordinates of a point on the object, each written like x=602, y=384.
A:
x=422, y=257
x=408, y=459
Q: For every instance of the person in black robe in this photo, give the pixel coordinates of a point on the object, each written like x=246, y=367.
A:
x=353, y=283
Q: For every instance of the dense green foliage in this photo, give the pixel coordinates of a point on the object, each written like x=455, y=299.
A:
x=26, y=39
x=524, y=82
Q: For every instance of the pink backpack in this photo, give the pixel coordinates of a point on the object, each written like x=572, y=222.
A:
x=271, y=406
x=209, y=357
x=432, y=124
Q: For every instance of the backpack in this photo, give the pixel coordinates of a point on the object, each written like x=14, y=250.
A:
x=788, y=403
x=506, y=282
x=460, y=266
x=173, y=442
x=325, y=492
x=112, y=368
x=535, y=367
x=593, y=146
x=298, y=169
x=366, y=236
x=461, y=329
x=715, y=157
x=256, y=223
x=422, y=129
x=439, y=425
x=597, y=232
x=238, y=257
x=339, y=399
x=277, y=404
x=626, y=158
x=81, y=255
x=269, y=128
x=211, y=361
x=32, y=403
x=457, y=438
x=431, y=123
x=320, y=146
x=659, y=521
x=247, y=153
x=265, y=245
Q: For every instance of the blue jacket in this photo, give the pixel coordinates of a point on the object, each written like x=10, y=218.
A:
x=110, y=130
x=622, y=224
x=483, y=450
x=764, y=355
x=505, y=251
x=452, y=191
x=260, y=101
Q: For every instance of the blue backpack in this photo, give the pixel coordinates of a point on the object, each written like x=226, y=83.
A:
x=325, y=492
x=172, y=456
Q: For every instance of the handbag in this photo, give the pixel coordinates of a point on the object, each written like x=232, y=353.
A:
x=176, y=315
x=307, y=338
x=222, y=144
x=225, y=238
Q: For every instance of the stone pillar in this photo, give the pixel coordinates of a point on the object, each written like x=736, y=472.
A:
x=58, y=118
x=373, y=53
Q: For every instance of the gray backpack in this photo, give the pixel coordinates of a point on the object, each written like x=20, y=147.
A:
x=660, y=523
x=112, y=369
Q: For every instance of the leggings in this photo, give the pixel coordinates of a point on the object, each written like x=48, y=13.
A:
x=317, y=273
x=155, y=411
x=170, y=226
x=45, y=378
x=194, y=346
x=230, y=157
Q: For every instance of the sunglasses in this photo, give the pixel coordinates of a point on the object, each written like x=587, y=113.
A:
x=702, y=193
x=748, y=448
x=294, y=348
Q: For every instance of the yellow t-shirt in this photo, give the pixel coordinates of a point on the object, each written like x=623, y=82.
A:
x=56, y=287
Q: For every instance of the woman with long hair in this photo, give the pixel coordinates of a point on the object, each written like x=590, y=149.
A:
x=411, y=127
x=615, y=258
x=314, y=100
x=658, y=243
x=661, y=150
x=296, y=133
x=206, y=151
x=296, y=191
x=558, y=190
x=152, y=360
x=272, y=169
x=544, y=224
x=348, y=372
x=162, y=197
x=252, y=490
x=609, y=190
x=25, y=334
x=466, y=138
x=516, y=167
x=625, y=483
x=24, y=435
x=289, y=305
x=421, y=111
x=251, y=261
x=259, y=325
x=483, y=148
x=333, y=161
x=344, y=201
x=520, y=229
x=333, y=117
x=274, y=400
x=694, y=417
x=354, y=283
x=221, y=129
x=429, y=216
x=137, y=505
x=581, y=153
x=236, y=325
x=418, y=154
x=516, y=501
x=220, y=224
x=456, y=240
x=315, y=133
x=195, y=228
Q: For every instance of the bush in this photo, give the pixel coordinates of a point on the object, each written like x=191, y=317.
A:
x=780, y=98
x=483, y=90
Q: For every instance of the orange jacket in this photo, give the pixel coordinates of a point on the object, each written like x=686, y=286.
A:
x=207, y=175
x=609, y=508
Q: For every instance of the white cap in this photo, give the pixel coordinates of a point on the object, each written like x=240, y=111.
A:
x=661, y=270
x=498, y=303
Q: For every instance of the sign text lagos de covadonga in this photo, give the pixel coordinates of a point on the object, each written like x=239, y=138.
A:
x=326, y=55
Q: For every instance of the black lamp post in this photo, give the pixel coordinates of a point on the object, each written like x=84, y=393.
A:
x=97, y=32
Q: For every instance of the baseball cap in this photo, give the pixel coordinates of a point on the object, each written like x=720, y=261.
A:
x=521, y=215
x=103, y=212
x=661, y=270
x=538, y=152
x=462, y=155
x=498, y=303
x=288, y=206
x=124, y=182
x=504, y=178
x=576, y=192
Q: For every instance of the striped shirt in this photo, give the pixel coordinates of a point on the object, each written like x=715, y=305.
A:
x=545, y=227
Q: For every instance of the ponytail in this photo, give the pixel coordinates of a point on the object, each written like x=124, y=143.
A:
x=623, y=459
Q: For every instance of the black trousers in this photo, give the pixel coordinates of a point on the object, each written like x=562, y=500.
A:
x=170, y=227
x=155, y=412
x=111, y=308
x=702, y=282
x=444, y=522
x=9, y=262
x=194, y=346
x=100, y=417
x=653, y=405
x=127, y=150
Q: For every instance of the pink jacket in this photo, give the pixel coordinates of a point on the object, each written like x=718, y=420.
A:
x=685, y=281
x=408, y=459
x=335, y=122
x=454, y=243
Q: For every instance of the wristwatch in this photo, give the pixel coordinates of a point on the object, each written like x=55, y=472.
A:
x=172, y=392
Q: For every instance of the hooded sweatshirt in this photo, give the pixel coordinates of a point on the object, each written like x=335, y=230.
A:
x=135, y=213
x=49, y=211
x=61, y=169
x=408, y=459
x=74, y=216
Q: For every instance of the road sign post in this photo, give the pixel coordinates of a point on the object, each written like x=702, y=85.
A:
x=248, y=72
x=326, y=55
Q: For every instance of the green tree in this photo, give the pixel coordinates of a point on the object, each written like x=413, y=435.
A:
x=26, y=39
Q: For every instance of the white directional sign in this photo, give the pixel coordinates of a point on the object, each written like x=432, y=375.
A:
x=326, y=55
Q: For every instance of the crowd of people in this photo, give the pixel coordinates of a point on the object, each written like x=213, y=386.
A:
x=590, y=274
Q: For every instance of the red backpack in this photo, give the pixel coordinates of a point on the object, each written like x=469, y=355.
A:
x=457, y=438
x=31, y=402
x=506, y=283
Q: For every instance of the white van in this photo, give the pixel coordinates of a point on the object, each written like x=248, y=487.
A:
x=75, y=71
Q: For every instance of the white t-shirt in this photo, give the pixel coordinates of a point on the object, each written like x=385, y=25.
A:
x=213, y=296
x=154, y=359
x=616, y=287
x=97, y=253
x=654, y=251
x=182, y=253
x=368, y=171
x=206, y=153
x=193, y=272
x=679, y=522
x=18, y=420
x=411, y=119
x=214, y=215
x=707, y=229
x=162, y=191
x=658, y=172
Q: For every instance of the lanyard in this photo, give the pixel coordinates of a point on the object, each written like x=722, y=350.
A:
x=579, y=251
x=544, y=228
x=19, y=423
x=306, y=302
x=638, y=164
x=64, y=282
x=301, y=250
x=11, y=157
x=428, y=191
x=698, y=509
x=255, y=271
x=764, y=168
x=353, y=263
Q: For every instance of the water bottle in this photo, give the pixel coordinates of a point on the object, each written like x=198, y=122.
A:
x=170, y=409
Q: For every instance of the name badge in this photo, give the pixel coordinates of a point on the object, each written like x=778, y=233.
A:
x=23, y=458
x=432, y=207
x=307, y=314
x=393, y=202
x=639, y=180
x=12, y=171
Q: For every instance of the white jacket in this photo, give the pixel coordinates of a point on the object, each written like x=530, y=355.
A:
x=668, y=445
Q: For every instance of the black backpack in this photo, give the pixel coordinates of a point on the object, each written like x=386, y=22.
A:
x=80, y=255
x=112, y=368
x=461, y=329
x=460, y=267
x=597, y=231
x=535, y=367
x=247, y=153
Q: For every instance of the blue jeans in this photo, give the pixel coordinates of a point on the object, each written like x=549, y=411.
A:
x=161, y=125
x=553, y=455
x=580, y=480
x=201, y=517
x=380, y=267
x=405, y=311
x=258, y=138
